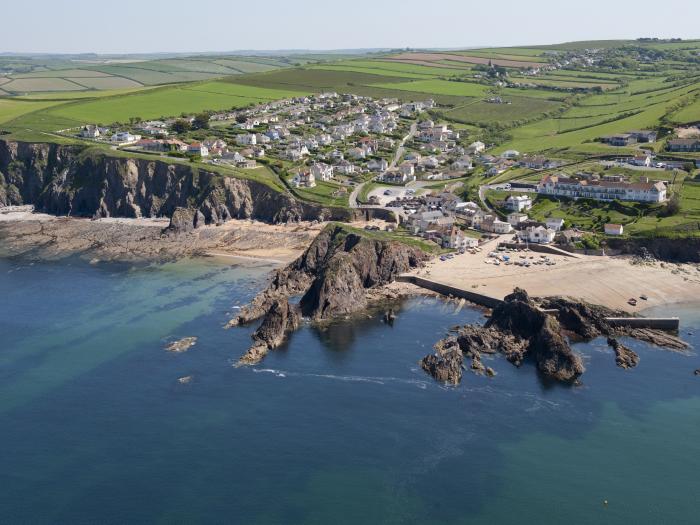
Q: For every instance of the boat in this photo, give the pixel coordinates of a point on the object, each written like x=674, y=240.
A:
x=632, y=302
x=643, y=297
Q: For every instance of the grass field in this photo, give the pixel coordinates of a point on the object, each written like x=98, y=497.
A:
x=440, y=87
x=167, y=102
x=11, y=109
x=481, y=112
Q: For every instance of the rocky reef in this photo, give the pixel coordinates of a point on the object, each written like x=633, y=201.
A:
x=522, y=328
x=90, y=182
x=332, y=277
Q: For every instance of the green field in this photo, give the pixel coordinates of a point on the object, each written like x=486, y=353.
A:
x=440, y=87
x=11, y=109
x=167, y=102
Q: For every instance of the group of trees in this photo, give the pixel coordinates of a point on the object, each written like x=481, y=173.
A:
x=200, y=121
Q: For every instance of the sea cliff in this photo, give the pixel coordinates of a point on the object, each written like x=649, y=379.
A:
x=85, y=182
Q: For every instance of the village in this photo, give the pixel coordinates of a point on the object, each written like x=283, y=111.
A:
x=383, y=153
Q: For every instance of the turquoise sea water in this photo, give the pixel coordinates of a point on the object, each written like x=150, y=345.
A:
x=339, y=426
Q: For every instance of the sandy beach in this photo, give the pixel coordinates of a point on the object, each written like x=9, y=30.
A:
x=609, y=281
x=48, y=236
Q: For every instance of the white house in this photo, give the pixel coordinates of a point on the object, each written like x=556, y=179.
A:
x=458, y=240
x=555, y=224
x=322, y=171
x=516, y=218
x=604, y=190
x=249, y=139
x=614, y=229
x=90, y=132
x=519, y=202
x=377, y=165
x=198, y=149
x=510, y=154
x=124, y=137
x=476, y=147
x=304, y=179
x=537, y=234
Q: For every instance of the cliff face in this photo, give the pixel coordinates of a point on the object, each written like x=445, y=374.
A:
x=675, y=250
x=67, y=180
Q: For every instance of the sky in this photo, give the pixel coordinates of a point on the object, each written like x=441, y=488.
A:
x=146, y=26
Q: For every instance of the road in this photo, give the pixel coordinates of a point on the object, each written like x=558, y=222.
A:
x=397, y=157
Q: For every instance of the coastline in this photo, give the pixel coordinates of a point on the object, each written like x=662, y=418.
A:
x=43, y=236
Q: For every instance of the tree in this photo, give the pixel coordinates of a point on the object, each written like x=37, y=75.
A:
x=673, y=206
x=201, y=121
x=181, y=126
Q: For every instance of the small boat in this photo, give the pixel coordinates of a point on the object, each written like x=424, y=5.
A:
x=632, y=302
x=643, y=297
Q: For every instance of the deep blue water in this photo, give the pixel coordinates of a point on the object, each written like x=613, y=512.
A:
x=339, y=426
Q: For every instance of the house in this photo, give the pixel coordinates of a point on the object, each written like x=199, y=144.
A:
x=345, y=167
x=248, y=139
x=304, y=179
x=408, y=170
x=463, y=163
x=644, y=136
x=603, y=190
x=456, y=240
x=90, y=132
x=535, y=163
x=377, y=165
x=614, y=229
x=622, y=139
x=476, y=147
x=176, y=145
x=555, y=224
x=151, y=145
x=684, y=145
x=421, y=221
x=247, y=164
x=124, y=137
x=641, y=160
x=537, y=234
x=197, y=148
x=510, y=154
x=322, y=171
x=518, y=202
x=516, y=218
x=494, y=225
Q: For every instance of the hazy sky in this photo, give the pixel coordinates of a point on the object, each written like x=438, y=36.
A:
x=132, y=26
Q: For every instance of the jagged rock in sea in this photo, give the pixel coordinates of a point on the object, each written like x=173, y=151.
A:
x=446, y=364
x=524, y=328
x=518, y=329
x=624, y=357
x=281, y=319
x=333, y=275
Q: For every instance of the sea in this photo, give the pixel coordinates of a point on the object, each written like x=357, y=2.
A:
x=99, y=424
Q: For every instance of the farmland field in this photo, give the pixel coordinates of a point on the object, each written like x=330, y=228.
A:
x=440, y=87
x=24, y=85
x=482, y=112
x=11, y=109
x=167, y=102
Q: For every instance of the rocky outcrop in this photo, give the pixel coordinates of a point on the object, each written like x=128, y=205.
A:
x=279, y=321
x=91, y=182
x=333, y=275
x=681, y=250
x=523, y=328
x=624, y=357
x=446, y=364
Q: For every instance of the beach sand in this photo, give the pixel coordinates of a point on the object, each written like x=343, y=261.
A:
x=608, y=281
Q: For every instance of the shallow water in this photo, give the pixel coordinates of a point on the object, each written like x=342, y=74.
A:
x=340, y=425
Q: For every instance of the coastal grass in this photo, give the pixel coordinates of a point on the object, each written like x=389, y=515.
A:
x=399, y=235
